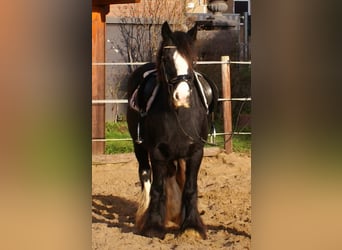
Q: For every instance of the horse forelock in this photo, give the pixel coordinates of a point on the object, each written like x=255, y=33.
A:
x=184, y=46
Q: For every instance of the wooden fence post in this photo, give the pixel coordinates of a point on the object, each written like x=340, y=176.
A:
x=227, y=105
x=98, y=76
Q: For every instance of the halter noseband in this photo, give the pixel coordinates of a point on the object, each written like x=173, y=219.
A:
x=181, y=78
x=170, y=47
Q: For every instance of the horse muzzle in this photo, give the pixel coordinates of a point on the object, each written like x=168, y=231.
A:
x=181, y=95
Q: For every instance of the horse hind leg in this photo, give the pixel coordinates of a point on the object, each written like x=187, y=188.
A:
x=180, y=177
x=174, y=188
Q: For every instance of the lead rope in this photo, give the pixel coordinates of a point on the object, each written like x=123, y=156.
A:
x=190, y=137
x=212, y=135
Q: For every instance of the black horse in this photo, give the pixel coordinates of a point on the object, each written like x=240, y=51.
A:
x=168, y=121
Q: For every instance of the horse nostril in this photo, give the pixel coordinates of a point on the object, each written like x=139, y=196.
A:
x=177, y=96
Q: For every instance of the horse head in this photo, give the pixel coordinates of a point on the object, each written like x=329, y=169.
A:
x=175, y=64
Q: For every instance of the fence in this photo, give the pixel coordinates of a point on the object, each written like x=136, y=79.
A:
x=226, y=98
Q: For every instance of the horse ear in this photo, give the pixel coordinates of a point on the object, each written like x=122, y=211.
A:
x=193, y=32
x=166, y=31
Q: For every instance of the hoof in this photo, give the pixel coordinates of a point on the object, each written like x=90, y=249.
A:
x=194, y=232
x=191, y=233
x=154, y=233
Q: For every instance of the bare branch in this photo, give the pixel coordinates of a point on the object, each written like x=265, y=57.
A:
x=141, y=39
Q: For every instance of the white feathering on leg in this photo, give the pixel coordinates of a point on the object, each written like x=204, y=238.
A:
x=144, y=201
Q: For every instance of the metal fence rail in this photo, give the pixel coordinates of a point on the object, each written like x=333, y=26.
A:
x=125, y=101
x=129, y=139
x=142, y=63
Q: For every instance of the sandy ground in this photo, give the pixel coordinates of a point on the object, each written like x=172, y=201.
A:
x=224, y=203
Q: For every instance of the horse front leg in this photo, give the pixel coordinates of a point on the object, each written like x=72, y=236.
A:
x=192, y=219
x=145, y=181
x=154, y=223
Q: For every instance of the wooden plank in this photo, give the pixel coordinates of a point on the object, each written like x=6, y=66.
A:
x=112, y=159
x=212, y=151
x=107, y=2
x=227, y=105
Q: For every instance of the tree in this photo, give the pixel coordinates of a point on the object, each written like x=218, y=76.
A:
x=138, y=38
x=140, y=28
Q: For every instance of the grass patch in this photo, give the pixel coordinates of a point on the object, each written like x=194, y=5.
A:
x=242, y=143
x=119, y=130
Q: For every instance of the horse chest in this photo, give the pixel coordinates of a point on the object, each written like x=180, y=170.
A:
x=172, y=151
x=170, y=141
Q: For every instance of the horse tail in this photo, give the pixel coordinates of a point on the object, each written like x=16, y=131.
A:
x=144, y=202
x=174, y=186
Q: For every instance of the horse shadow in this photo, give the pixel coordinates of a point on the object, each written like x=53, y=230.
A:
x=114, y=211
x=230, y=230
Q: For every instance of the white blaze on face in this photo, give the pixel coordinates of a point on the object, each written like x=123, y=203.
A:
x=180, y=64
x=182, y=91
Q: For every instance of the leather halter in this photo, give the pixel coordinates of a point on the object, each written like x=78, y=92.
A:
x=177, y=79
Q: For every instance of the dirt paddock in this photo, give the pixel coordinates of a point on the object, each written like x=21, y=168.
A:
x=224, y=203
